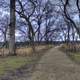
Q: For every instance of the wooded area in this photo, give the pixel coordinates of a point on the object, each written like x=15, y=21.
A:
x=38, y=21
x=30, y=28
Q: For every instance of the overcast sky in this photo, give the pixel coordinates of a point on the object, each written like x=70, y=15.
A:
x=18, y=33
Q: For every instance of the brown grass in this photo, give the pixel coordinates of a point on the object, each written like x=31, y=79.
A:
x=24, y=51
x=71, y=47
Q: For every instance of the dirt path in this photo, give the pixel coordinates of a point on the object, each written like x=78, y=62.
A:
x=54, y=65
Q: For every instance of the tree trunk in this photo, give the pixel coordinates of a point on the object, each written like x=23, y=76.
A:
x=68, y=37
x=12, y=28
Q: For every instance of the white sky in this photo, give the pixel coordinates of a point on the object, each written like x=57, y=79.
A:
x=76, y=17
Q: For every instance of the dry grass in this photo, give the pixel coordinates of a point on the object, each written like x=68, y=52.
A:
x=28, y=51
x=72, y=51
x=24, y=51
x=71, y=47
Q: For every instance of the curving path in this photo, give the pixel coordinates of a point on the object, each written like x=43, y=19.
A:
x=55, y=65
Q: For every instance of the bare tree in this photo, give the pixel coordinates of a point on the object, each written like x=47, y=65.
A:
x=12, y=28
x=26, y=16
x=66, y=4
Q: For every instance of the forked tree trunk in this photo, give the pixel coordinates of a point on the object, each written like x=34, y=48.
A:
x=12, y=28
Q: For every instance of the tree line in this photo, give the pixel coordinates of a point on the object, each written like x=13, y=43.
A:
x=39, y=20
